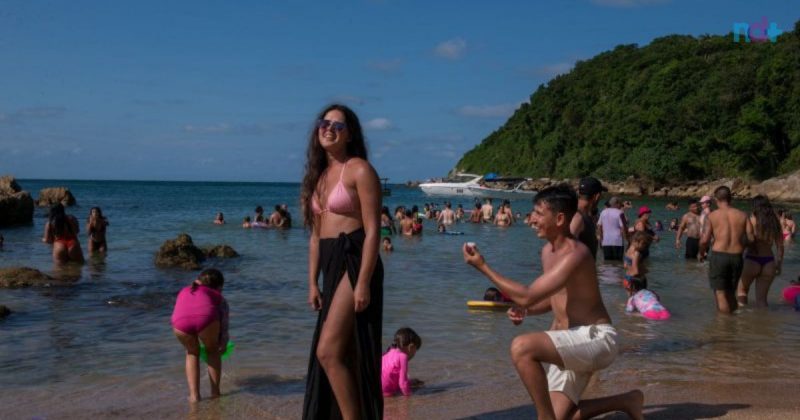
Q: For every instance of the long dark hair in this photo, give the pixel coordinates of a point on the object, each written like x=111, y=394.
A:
x=58, y=220
x=768, y=227
x=317, y=159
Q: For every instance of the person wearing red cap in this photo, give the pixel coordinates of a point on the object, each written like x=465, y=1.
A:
x=643, y=225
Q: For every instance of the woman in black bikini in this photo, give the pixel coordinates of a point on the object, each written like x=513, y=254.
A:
x=341, y=200
x=96, y=228
x=760, y=264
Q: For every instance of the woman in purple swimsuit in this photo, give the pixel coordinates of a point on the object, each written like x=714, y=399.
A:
x=760, y=264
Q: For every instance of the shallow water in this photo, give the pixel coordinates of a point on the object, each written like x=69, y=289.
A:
x=109, y=333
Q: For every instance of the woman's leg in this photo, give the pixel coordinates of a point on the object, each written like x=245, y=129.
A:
x=750, y=270
x=763, y=282
x=192, y=363
x=335, y=340
x=210, y=338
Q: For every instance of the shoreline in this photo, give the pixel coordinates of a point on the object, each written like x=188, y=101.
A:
x=781, y=189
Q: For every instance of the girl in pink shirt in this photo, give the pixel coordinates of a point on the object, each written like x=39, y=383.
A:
x=201, y=315
x=394, y=366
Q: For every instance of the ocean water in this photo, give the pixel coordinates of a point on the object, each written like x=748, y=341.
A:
x=106, y=342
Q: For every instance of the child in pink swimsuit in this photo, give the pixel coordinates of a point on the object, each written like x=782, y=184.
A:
x=643, y=300
x=201, y=315
x=394, y=366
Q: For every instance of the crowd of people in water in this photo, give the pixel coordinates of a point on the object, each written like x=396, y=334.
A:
x=349, y=374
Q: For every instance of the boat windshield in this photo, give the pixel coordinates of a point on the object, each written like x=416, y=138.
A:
x=460, y=178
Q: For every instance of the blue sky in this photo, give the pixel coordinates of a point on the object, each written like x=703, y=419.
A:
x=157, y=90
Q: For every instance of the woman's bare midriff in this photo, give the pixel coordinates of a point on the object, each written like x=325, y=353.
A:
x=332, y=224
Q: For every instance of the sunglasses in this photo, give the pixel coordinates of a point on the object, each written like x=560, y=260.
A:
x=336, y=125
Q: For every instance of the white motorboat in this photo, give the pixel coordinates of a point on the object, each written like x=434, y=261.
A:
x=471, y=185
x=457, y=185
x=516, y=193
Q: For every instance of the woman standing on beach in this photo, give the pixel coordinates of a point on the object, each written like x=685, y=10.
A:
x=760, y=264
x=341, y=200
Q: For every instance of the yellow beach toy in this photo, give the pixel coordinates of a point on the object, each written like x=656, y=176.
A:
x=488, y=305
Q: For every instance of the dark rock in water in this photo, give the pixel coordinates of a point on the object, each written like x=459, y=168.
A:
x=220, y=251
x=16, y=206
x=17, y=277
x=4, y=311
x=180, y=252
x=55, y=195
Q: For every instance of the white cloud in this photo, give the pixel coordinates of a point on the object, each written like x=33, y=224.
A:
x=489, y=111
x=386, y=66
x=452, y=49
x=628, y=3
x=378, y=124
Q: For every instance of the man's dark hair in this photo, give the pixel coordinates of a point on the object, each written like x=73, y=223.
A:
x=692, y=201
x=560, y=199
x=723, y=193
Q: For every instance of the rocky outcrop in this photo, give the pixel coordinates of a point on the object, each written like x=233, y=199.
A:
x=54, y=195
x=180, y=252
x=16, y=206
x=783, y=188
x=4, y=311
x=220, y=251
x=18, y=277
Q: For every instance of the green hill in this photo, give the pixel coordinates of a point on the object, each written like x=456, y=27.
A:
x=680, y=108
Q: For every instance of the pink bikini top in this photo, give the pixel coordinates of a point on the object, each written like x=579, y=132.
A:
x=339, y=200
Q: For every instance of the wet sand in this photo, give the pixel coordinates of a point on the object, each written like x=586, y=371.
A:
x=271, y=397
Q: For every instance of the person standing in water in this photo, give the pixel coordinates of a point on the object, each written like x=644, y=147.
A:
x=583, y=223
x=62, y=230
x=732, y=231
x=761, y=265
x=96, y=229
x=690, y=225
x=341, y=200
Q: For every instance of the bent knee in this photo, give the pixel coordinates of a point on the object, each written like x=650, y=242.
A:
x=520, y=349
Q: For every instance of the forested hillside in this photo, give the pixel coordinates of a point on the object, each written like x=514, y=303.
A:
x=680, y=108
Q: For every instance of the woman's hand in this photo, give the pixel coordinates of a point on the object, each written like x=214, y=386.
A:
x=314, y=298
x=361, y=296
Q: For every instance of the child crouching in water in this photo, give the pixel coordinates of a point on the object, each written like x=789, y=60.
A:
x=201, y=315
x=643, y=300
x=394, y=366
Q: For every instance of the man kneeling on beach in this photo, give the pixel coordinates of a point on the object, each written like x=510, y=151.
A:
x=556, y=365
